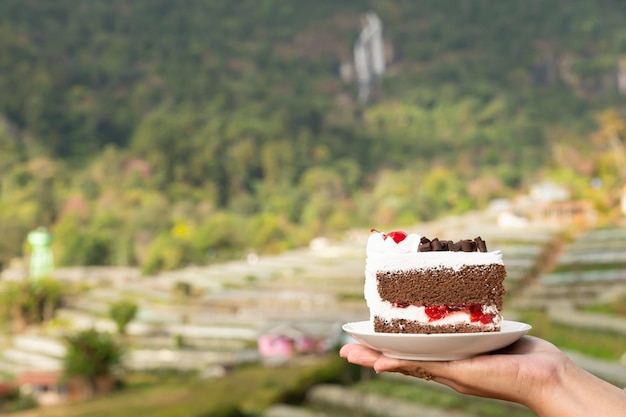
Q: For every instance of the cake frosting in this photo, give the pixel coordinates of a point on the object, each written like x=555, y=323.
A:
x=415, y=285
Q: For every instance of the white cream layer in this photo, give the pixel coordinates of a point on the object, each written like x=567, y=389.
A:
x=387, y=312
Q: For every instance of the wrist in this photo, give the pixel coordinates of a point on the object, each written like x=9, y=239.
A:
x=548, y=384
x=568, y=390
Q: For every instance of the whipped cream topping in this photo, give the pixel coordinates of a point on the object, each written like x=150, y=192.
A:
x=378, y=244
x=384, y=254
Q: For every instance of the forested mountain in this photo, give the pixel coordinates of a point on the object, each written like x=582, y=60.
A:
x=167, y=132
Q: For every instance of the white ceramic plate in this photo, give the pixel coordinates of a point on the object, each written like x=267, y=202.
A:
x=436, y=347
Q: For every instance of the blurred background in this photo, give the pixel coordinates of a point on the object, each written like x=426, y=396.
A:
x=187, y=187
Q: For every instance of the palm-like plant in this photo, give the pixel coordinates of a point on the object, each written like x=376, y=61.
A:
x=123, y=312
x=93, y=357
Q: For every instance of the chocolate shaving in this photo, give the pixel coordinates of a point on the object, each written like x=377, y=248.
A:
x=464, y=245
x=481, y=244
x=468, y=245
x=436, y=245
x=424, y=247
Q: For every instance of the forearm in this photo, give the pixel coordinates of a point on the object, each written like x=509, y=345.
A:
x=531, y=372
x=575, y=392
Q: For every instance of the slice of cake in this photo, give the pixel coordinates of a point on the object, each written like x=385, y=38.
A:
x=417, y=285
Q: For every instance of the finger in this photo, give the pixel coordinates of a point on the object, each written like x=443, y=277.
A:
x=419, y=369
x=360, y=355
x=452, y=373
x=463, y=389
x=386, y=364
x=346, y=350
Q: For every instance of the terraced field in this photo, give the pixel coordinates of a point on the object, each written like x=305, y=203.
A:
x=317, y=289
x=598, y=256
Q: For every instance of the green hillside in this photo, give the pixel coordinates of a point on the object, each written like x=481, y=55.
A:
x=166, y=132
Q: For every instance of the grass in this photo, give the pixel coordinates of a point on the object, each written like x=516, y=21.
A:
x=617, y=307
x=251, y=389
x=435, y=396
x=588, y=267
x=599, y=344
x=247, y=391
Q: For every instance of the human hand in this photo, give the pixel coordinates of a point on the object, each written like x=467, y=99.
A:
x=521, y=372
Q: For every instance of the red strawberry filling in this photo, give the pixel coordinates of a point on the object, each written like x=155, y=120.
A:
x=475, y=312
x=436, y=312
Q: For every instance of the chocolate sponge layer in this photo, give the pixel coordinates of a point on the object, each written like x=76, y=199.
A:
x=408, y=326
x=471, y=284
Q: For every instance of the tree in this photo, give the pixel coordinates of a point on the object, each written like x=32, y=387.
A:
x=30, y=302
x=47, y=293
x=123, y=312
x=611, y=134
x=92, y=357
